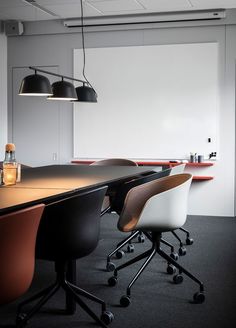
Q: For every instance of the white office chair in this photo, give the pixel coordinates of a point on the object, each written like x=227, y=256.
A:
x=156, y=207
x=117, y=206
x=177, y=169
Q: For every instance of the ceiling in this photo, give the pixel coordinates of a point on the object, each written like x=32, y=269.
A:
x=34, y=10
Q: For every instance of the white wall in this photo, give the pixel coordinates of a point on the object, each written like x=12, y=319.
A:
x=3, y=93
x=154, y=99
x=214, y=197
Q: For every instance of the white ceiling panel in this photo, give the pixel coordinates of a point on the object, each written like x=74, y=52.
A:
x=201, y=4
x=72, y=10
x=57, y=2
x=23, y=13
x=166, y=5
x=99, y=0
x=10, y=3
x=21, y=10
x=113, y=6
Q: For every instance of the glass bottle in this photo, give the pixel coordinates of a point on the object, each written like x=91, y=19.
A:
x=9, y=165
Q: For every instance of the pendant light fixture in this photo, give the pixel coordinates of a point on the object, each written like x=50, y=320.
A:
x=35, y=85
x=39, y=85
x=63, y=90
x=86, y=92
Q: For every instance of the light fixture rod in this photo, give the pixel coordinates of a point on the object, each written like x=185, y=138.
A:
x=55, y=74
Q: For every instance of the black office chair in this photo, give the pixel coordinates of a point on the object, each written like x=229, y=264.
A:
x=106, y=205
x=117, y=206
x=69, y=230
x=156, y=207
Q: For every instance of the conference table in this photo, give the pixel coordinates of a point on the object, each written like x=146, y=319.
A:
x=47, y=184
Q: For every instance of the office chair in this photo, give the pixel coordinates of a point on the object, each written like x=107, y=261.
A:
x=156, y=207
x=117, y=206
x=117, y=203
x=18, y=232
x=106, y=205
x=177, y=169
x=115, y=161
x=69, y=230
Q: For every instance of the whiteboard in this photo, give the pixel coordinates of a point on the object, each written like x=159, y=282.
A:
x=154, y=102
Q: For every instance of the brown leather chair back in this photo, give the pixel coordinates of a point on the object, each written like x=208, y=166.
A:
x=18, y=232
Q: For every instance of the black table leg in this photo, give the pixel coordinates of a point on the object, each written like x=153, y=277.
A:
x=71, y=277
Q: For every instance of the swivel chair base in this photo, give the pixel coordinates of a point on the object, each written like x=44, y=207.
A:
x=189, y=240
x=119, y=253
x=125, y=300
x=74, y=291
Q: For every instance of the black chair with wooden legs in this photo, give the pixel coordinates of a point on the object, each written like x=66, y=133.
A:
x=154, y=208
x=69, y=230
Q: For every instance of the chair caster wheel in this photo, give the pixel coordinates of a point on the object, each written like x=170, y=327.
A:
x=107, y=317
x=111, y=266
x=199, y=297
x=112, y=281
x=120, y=254
x=178, y=279
x=171, y=269
x=130, y=248
x=174, y=256
x=125, y=301
x=182, y=251
x=20, y=320
x=189, y=241
x=141, y=239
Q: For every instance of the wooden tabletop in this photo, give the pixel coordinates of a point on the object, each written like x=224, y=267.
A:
x=49, y=183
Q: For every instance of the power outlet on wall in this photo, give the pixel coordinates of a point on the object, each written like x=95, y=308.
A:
x=54, y=157
x=212, y=155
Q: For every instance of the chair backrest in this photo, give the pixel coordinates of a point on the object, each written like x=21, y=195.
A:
x=106, y=206
x=70, y=228
x=18, y=232
x=115, y=161
x=177, y=169
x=159, y=205
x=119, y=199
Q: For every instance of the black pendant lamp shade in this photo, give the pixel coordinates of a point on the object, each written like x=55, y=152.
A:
x=86, y=94
x=63, y=90
x=35, y=85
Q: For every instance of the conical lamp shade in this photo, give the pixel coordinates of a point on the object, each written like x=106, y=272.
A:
x=63, y=90
x=35, y=85
x=86, y=94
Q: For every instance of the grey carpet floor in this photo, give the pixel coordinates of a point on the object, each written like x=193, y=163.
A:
x=156, y=300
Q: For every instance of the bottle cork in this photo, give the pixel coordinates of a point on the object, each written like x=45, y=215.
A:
x=10, y=147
